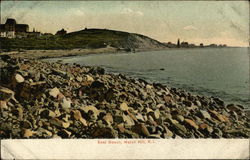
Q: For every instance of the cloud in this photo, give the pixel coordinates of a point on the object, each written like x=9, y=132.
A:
x=190, y=27
x=128, y=11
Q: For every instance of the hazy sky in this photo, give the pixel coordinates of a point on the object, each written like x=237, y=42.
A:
x=207, y=22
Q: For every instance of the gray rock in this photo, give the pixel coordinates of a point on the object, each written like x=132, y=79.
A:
x=205, y=114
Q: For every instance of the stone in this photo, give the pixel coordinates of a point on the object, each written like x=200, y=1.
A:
x=78, y=116
x=59, y=72
x=66, y=103
x=46, y=113
x=132, y=116
x=89, y=78
x=219, y=101
x=205, y=114
x=118, y=119
x=108, y=118
x=218, y=116
x=19, y=78
x=168, y=99
x=191, y=123
x=26, y=124
x=104, y=133
x=18, y=112
x=168, y=133
x=124, y=106
x=128, y=120
x=198, y=103
x=154, y=136
x=155, y=114
x=79, y=79
x=93, y=109
x=27, y=133
x=121, y=127
x=140, y=129
x=56, y=122
x=41, y=132
x=97, y=70
x=235, y=108
x=54, y=92
x=97, y=84
x=65, y=124
x=64, y=133
x=179, y=128
x=131, y=134
x=139, y=117
x=6, y=94
x=217, y=133
x=3, y=105
x=179, y=118
x=206, y=127
x=187, y=103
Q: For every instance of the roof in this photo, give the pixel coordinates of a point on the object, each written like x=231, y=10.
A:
x=10, y=21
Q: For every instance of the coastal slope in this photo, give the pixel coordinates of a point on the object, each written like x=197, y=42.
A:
x=86, y=39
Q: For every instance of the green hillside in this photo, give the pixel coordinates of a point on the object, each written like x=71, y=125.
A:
x=88, y=38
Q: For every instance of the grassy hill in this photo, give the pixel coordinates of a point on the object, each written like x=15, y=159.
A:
x=88, y=38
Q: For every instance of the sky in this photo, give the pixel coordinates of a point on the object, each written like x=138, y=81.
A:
x=219, y=22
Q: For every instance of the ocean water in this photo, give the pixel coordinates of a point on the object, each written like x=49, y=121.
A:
x=217, y=72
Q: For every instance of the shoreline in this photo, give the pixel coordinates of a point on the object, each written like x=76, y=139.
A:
x=53, y=100
x=59, y=53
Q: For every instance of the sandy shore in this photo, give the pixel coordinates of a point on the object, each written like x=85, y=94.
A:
x=39, y=54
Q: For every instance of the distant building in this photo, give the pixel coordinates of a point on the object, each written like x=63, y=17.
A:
x=11, y=29
x=184, y=44
x=178, y=43
x=61, y=32
x=34, y=34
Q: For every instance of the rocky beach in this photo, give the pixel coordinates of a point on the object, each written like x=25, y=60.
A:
x=52, y=100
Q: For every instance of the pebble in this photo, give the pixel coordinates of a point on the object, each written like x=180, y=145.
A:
x=19, y=78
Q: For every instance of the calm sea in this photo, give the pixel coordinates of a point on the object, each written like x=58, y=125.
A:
x=218, y=72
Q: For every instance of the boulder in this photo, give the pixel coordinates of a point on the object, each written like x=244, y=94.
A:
x=104, y=133
x=54, y=92
x=66, y=103
x=191, y=123
x=47, y=113
x=27, y=133
x=18, y=78
x=236, y=108
x=108, y=118
x=205, y=114
x=140, y=129
x=3, y=105
x=6, y=94
x=124, y=106
x=93, y=109
x=78, y=116
x=128, y=120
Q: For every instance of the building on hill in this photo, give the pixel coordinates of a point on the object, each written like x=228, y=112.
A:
x=61, y=32
x=13, y=30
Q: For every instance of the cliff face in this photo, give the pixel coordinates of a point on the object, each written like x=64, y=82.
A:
x=88, y=38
